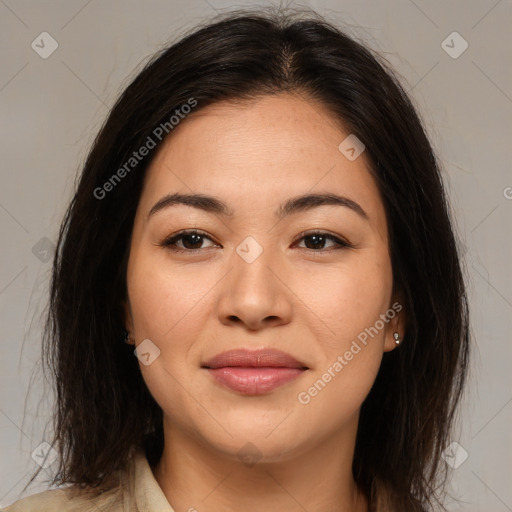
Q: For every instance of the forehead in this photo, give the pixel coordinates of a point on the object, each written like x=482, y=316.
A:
x=257, y=154
x=251, y=131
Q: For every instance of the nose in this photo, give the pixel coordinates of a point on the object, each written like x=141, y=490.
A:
x=255, y=294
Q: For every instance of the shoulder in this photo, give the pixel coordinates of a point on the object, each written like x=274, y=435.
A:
x=64, y=500
x=70, y=498
x=132, y=489
x=67, y=499
x=45, y=500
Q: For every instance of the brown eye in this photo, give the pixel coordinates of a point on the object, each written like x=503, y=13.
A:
x=190, y=241
x=316, y=241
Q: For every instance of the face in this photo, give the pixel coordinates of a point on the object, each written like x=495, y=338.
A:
x=262, y=275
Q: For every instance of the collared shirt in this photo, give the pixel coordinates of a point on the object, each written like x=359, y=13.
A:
x=138, y=491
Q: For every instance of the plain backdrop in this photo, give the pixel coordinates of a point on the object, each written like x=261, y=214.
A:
x=51, y=108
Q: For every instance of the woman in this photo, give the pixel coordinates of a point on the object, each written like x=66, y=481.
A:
x=257, y=301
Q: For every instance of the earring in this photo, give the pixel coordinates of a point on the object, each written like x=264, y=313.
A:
x=397, y=338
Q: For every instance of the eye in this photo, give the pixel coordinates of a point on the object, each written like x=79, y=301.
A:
x=191, y=241
x=317, y=240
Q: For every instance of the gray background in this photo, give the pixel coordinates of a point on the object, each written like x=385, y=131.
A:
x=52, y=108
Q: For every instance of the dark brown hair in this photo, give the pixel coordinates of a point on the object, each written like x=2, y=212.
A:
x=103, y=407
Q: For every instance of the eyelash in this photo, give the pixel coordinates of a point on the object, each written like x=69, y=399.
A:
x=169, y=242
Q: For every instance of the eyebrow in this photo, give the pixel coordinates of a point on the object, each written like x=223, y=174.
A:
x=297, y=204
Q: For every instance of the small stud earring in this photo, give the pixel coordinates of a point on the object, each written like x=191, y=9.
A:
x=397, y=338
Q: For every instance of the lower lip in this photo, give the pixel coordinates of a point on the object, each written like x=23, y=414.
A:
x=254, y=381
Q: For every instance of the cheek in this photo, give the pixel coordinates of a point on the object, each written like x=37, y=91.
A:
x=354, y=302
x=352, y=347
x=166, y=305
x=166, y=301
x=347, y=299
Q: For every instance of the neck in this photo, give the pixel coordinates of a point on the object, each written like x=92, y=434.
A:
x=195, y=477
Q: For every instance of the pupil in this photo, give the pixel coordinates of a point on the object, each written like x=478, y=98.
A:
x=198, y=241
x=317, y=240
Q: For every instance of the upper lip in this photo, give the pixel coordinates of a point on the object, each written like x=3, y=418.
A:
x=269, y=358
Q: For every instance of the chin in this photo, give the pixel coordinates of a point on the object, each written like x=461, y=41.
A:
x=256, y=441
x=257, y=450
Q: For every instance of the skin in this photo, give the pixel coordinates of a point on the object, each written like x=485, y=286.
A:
x=308, y=300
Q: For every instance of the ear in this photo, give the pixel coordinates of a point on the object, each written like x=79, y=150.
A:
x=397, y=321
x=128, y=321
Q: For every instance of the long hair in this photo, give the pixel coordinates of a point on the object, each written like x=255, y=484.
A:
x=103, y=408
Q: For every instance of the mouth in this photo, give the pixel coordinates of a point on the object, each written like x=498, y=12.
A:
x=254, y=372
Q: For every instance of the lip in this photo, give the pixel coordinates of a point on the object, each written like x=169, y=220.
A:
x=254, y=372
